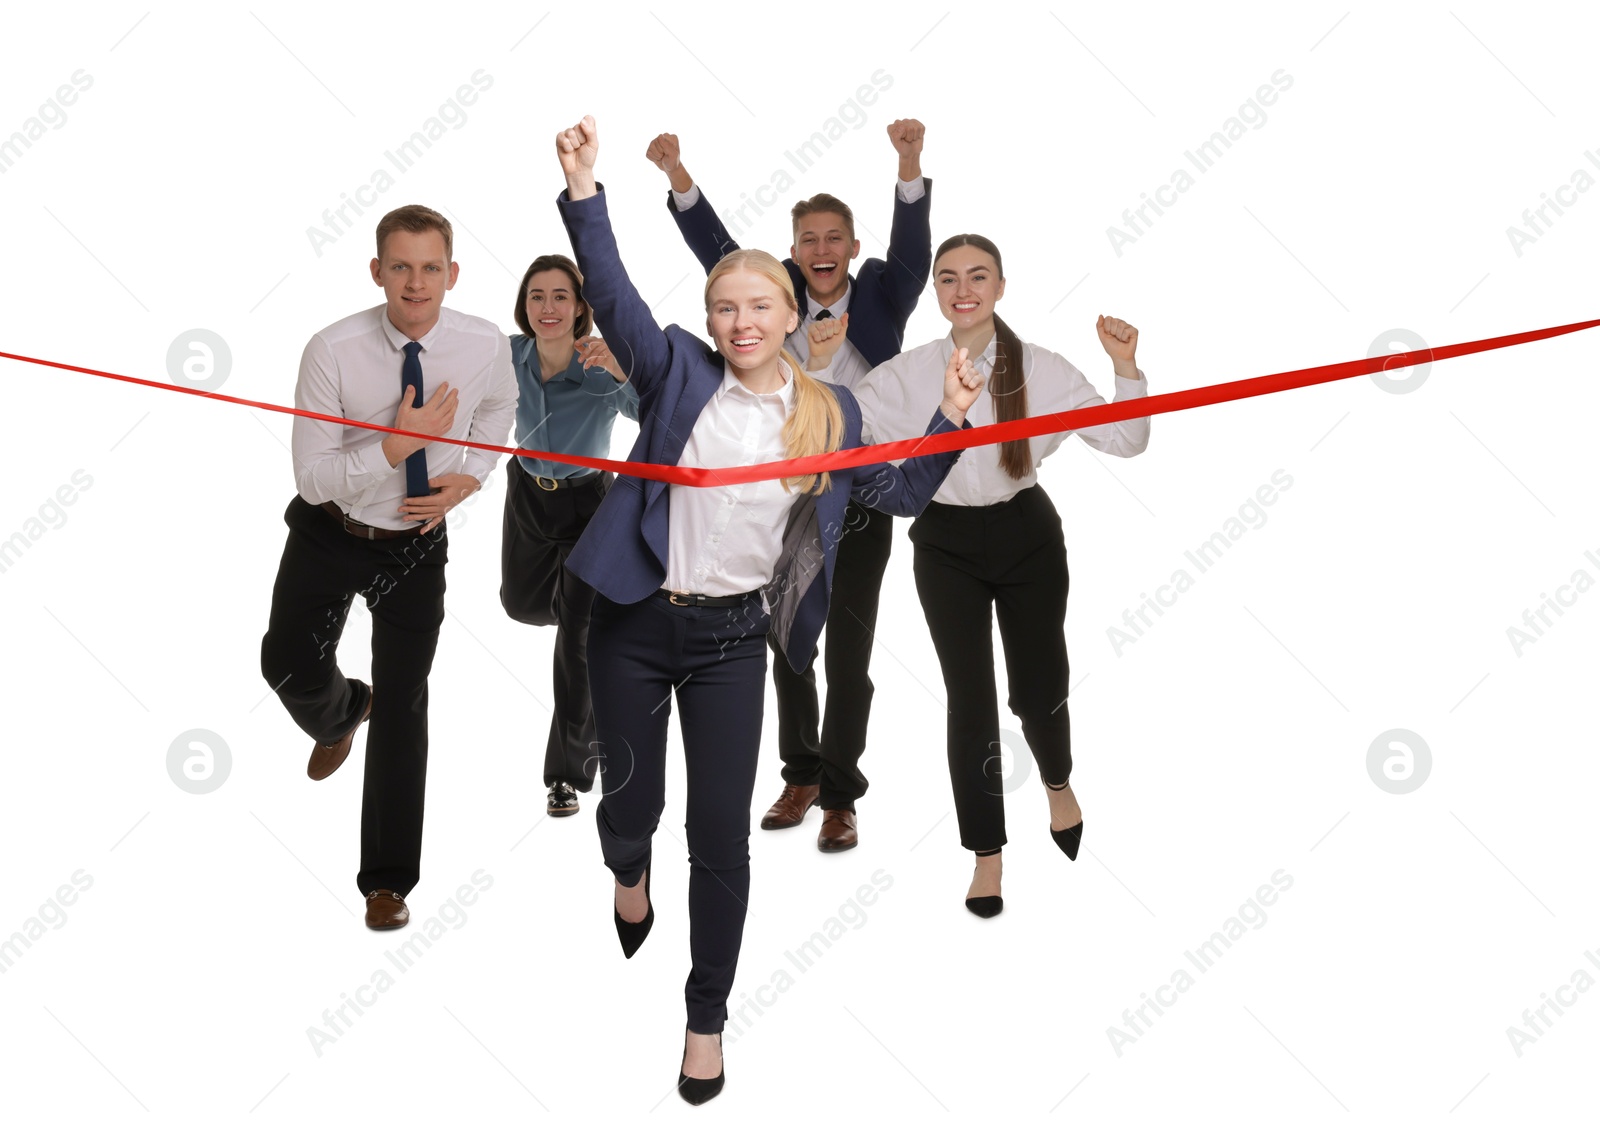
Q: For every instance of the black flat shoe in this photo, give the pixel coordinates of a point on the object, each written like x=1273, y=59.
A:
x=1068, y=839
x=986, y=906
x=698, y=1091
x=632, y=934
x=563, y=800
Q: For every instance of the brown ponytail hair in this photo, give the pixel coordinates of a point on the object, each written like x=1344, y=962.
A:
x=816, y=425
x=1008, y=384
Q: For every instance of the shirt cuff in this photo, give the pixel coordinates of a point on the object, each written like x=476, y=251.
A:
x=683, y=200
x=910, y=191
x=373, y=465
x=825, y=373
x=1132, y=388
x=479, y=471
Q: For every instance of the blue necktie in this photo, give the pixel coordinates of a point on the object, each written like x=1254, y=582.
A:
x=417, y=463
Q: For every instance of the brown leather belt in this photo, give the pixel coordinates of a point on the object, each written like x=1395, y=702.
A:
x=366, y=530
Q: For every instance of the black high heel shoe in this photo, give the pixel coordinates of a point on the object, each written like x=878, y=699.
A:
x=632, y=934
x=698, y=1091
x=1067, y=839
x=986, y=906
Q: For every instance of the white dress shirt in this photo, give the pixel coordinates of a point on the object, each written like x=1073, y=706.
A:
x=848, y=363
x=351, y=369
x=899, y=394
x=727, y=540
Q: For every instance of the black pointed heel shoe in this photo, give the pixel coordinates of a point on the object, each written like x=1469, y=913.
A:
x=632, y=934
x=1067, y=839
x=986, y=906
x=698, y=1091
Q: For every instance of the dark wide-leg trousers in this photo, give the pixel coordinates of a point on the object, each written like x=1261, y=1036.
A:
x=713, y=659
x=540, y=528
x=833, y=760
x=402, y=582
x=1008, y=559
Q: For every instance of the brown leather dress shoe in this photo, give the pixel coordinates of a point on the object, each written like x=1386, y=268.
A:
x=329, y=756
x=790, y=807
x=386, y=910
x=838, y=832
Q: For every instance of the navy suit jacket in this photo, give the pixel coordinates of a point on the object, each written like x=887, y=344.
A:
x=623, y=551
x=884, y=292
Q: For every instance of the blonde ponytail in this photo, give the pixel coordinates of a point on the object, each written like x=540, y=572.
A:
x=816, y=425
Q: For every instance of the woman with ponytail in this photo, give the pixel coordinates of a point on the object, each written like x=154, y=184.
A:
x=989, y=547
x=690, y=580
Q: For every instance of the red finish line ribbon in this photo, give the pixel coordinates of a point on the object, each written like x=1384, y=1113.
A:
x=918, y=446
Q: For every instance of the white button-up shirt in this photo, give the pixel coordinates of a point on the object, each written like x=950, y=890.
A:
x=351, y=369
x=726, y=540
x=899, y=394
x=848, y=365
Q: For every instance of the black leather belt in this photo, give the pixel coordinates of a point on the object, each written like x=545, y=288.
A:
x=678, y=597
x=550, y=484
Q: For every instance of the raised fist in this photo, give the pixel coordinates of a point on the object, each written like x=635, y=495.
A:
x=663, y=152
x=906, y=135
x=578, y=146
x=962, y=382
x=1117, y=337
x=825, y=337
x=592, y=350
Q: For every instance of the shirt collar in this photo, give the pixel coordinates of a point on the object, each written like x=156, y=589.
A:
x=984, y=362
x=732, y=385
x=838, y=308
x=527, y=355
x=399, y=339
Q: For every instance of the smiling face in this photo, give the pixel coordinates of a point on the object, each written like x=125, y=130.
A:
x=968, y=284
x=414, y=271
x=748, y=316
x=552, y=308
x=823, y=249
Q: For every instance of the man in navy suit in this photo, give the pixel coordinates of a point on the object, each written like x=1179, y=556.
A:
x=873, y=304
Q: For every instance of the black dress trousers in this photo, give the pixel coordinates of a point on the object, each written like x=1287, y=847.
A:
x=541, y=527
x=402, y=583
x=833, y=760
x=712, y=661
x=976, y=567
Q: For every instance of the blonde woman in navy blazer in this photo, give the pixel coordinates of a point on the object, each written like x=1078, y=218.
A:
x=664, y=627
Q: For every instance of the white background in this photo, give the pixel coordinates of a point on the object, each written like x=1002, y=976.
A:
x=1229, y=742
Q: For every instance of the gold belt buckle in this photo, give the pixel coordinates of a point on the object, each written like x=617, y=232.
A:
x=674, y=595
x=551, y=487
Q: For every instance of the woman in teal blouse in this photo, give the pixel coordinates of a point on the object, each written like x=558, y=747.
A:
x=569, y=390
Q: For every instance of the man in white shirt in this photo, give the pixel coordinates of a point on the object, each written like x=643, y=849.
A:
x=368, y=519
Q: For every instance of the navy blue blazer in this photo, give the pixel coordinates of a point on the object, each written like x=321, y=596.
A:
x=884, y=292
x=623, y=551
